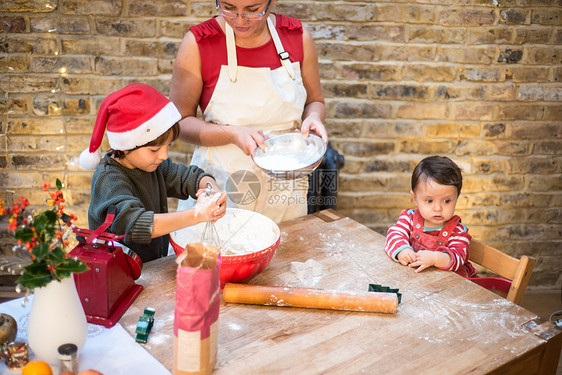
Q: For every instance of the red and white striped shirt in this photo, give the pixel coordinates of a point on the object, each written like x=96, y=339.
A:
x=399, y=237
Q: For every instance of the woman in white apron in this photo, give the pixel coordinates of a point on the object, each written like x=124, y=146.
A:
x=249, y=102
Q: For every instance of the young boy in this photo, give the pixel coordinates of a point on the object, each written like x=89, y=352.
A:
x=137, y=177
x=432, y=235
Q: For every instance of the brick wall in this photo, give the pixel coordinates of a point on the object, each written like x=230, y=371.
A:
x=478, y=81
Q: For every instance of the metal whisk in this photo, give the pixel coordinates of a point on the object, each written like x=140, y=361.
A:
x=210, y=234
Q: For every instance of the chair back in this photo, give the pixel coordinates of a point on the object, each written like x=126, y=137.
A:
x=518, y=271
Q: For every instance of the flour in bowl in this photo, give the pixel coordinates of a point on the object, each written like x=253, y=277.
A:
x=280, y=163
x=240, y=232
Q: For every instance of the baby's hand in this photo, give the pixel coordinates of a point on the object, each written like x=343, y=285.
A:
x=406, y=256
x=424, y=259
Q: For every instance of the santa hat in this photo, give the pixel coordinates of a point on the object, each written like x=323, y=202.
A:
x=133, y=116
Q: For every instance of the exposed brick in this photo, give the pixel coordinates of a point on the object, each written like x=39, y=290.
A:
x=515, y=16
x=374, y=72
x=495, y=130
x=302, y=11
x=528, y=74
x=552, y=112
x=488, y=35
x=163, y=8
x=464, y=17
x=504, y=92
x=391, y=165
x=378, y=33
x=536, y=130
x=429, y=73
x=493, y=183
x=125, y=66
x=422, y=111
x=547, y=16
x=39, y=161
x=520, y=112
x=203, y=9
x=24, y=143
x=406, y=53
x=12, y=24
x=358, y=90
x=427, y=147
x=533, y=34
x=490, y=166
x=14, y=106
x=364, y=148
x=510, y=56
x=459, y=92
x=535, y=165
x=537, y=93
x=38, y=45
x=475, y=147
x=482, y=74
x=473, y=55
x=346, y=128
x=31, y=126
x=343, y=12
x=91, y=46
x=155, y=49
x=472, y=111
x=327, y=31
x=62, y=25
x=544, y=55
x=91, y=85
x=32, y=6
x=347, y=52
x=545, y=184
x=14, y=64
x=174, y=29
x=444, y=130
x=94, y=7
x=61, y=64
x=407, y=13
x=362, y=109
x=392, y=129
x=26, y=84
x=424, y=34
x=404, y=92
x=126, y=28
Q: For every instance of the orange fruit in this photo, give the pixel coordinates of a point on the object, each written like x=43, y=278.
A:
x=37, y=367
x=90, y=372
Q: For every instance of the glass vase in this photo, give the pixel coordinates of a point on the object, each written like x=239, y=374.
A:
x=56, y=318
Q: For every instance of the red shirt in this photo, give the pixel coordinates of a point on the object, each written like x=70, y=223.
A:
x=211, y=41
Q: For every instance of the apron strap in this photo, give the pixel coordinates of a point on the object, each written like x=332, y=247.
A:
x=231, y=51
x=283, y=55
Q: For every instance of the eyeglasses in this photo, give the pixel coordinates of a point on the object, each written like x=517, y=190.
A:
x=246, y=16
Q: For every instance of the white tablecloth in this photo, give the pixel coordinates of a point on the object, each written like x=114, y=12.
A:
x=110, y=351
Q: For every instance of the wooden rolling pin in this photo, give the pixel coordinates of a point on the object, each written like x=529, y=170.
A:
x=310, y=298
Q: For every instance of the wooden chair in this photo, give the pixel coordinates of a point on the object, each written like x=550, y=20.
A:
x=515, y=273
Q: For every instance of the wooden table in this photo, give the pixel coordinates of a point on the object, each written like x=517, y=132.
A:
x=444, y=324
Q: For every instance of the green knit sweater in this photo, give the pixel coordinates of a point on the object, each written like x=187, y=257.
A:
x=138, y=195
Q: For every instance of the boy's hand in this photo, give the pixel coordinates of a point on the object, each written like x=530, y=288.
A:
x=406, y=256
x=206, y=206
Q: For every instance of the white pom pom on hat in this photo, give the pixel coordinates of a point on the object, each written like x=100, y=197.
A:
x=133, y=116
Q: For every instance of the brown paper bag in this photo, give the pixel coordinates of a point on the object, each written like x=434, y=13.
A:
x=197, y=310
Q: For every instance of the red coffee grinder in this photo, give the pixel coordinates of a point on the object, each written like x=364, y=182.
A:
x=108, y=288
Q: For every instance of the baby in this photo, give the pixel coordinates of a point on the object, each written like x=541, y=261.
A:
x=432, y=235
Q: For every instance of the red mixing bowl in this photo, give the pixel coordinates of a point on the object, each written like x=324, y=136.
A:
x=244, y=224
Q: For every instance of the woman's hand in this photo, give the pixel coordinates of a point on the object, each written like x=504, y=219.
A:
x=246, y=139
x=315, y=125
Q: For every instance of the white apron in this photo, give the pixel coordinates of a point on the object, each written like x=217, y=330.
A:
x=262, y=99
